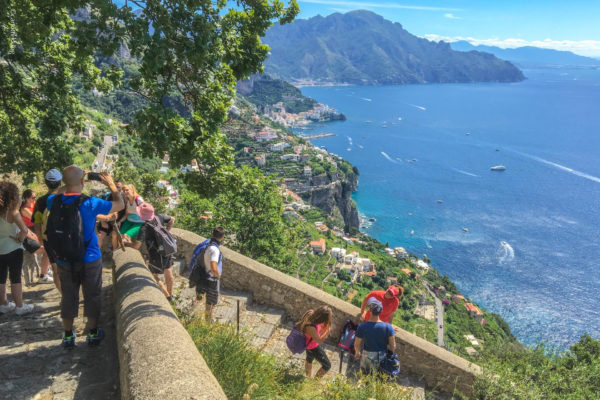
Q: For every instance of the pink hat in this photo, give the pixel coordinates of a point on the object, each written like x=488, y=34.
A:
x=145, y=211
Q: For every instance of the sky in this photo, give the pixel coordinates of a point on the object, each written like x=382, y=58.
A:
x=572, y=25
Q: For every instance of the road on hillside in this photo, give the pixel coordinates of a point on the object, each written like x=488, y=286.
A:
x=439, y=313
x=101, y=158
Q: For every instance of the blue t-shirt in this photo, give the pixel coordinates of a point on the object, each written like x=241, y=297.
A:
x=375, y=335
x=89, y=209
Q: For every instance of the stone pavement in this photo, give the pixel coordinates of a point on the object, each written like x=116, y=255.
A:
x=33, y=365
x=266, y=328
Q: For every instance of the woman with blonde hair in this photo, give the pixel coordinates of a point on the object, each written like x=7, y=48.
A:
x=316, y=326
x=12, y=234
x=130, y=227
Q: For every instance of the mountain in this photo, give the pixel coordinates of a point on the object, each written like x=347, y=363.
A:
x=361, y=47
x=530, y=56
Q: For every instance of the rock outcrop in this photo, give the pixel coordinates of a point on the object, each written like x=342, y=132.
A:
x=333, y=196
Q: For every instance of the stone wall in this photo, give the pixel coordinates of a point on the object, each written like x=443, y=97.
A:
x=441, y=369
x=157, y=357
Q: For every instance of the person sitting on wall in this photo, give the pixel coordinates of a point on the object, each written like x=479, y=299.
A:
x=390, y=299
x=157, y=262
x=373, y=338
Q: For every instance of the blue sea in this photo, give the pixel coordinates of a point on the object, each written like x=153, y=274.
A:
x=523, y=242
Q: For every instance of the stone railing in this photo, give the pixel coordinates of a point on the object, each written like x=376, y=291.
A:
x=442, y=370
x=157, y=357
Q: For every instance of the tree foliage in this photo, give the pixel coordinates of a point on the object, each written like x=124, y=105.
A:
x=249, y=206
x=42, y=47
x=192, y=51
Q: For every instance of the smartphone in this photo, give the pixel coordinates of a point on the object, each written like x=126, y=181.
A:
x=93, y=176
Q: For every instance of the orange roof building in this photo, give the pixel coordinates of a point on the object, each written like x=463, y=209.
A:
x=318, y=246
x=406, y=271
x=474, y=311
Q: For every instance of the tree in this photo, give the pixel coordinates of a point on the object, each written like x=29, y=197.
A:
x=191, y=52
x=343, y=275
x=42, y=46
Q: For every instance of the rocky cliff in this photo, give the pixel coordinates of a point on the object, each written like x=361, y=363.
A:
x=333, y=195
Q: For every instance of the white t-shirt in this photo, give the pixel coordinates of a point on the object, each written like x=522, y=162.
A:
x=213, y=253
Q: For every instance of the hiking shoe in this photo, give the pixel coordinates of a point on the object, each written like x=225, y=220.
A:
x=46, y=279
x=24, y=309
x=7, y=308
x=95, y=339
x=69, y=341
x=171, y=299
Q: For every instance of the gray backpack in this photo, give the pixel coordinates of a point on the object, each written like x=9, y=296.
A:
x=164, y=242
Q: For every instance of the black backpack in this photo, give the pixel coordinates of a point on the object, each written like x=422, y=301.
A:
x=164, y=243
x=64, y=230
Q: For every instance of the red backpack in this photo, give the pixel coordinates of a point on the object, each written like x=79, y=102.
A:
x=347, y=334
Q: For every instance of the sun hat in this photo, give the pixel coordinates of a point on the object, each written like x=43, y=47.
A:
x=145, y=211
x=53, y=175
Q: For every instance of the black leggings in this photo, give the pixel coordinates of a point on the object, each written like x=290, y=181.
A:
x=318, y=354
x=11, y=265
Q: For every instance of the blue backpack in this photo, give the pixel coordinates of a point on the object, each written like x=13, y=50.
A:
x=197, y=267
x=390, y=365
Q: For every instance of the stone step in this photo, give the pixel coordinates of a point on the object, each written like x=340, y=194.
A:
x=266, y=328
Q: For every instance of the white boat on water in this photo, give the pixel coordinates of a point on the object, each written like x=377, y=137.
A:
x=498, y=168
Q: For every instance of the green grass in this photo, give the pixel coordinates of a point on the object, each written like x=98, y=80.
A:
x=245, y=373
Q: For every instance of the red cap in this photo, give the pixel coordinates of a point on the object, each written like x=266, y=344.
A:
x=393, y=290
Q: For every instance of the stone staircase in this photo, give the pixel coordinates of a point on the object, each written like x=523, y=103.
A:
x=266, y=328
x=33, y=363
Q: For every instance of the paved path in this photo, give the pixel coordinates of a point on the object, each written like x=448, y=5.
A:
x=101, y=158
x=439, y=313
x=35, y=366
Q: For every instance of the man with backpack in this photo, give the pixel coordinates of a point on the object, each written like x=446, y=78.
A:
x=159, y=245
x=72, y=237
x=373, y=339
x=206, y=269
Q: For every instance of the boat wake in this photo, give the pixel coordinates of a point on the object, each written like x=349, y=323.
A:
x=366, y=99
x=419, y=107
x=506, y=252
x=460, y=171
x=564, y=168
x=390, y=159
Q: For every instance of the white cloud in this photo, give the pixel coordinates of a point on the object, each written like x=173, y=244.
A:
x=589, y=48
x=451, y=16
x=368, y=5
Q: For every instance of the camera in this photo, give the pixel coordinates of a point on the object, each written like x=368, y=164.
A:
x=93, y=176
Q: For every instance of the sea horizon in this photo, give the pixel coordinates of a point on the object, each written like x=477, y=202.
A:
x=519, y=242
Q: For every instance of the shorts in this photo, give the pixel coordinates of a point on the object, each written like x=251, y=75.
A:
x=159, y=266
x=131, y=229
x=370, y=360
x=318, y=354
x=89, y=277
x=212, y=288
x=49, y=252
x=11, y=265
